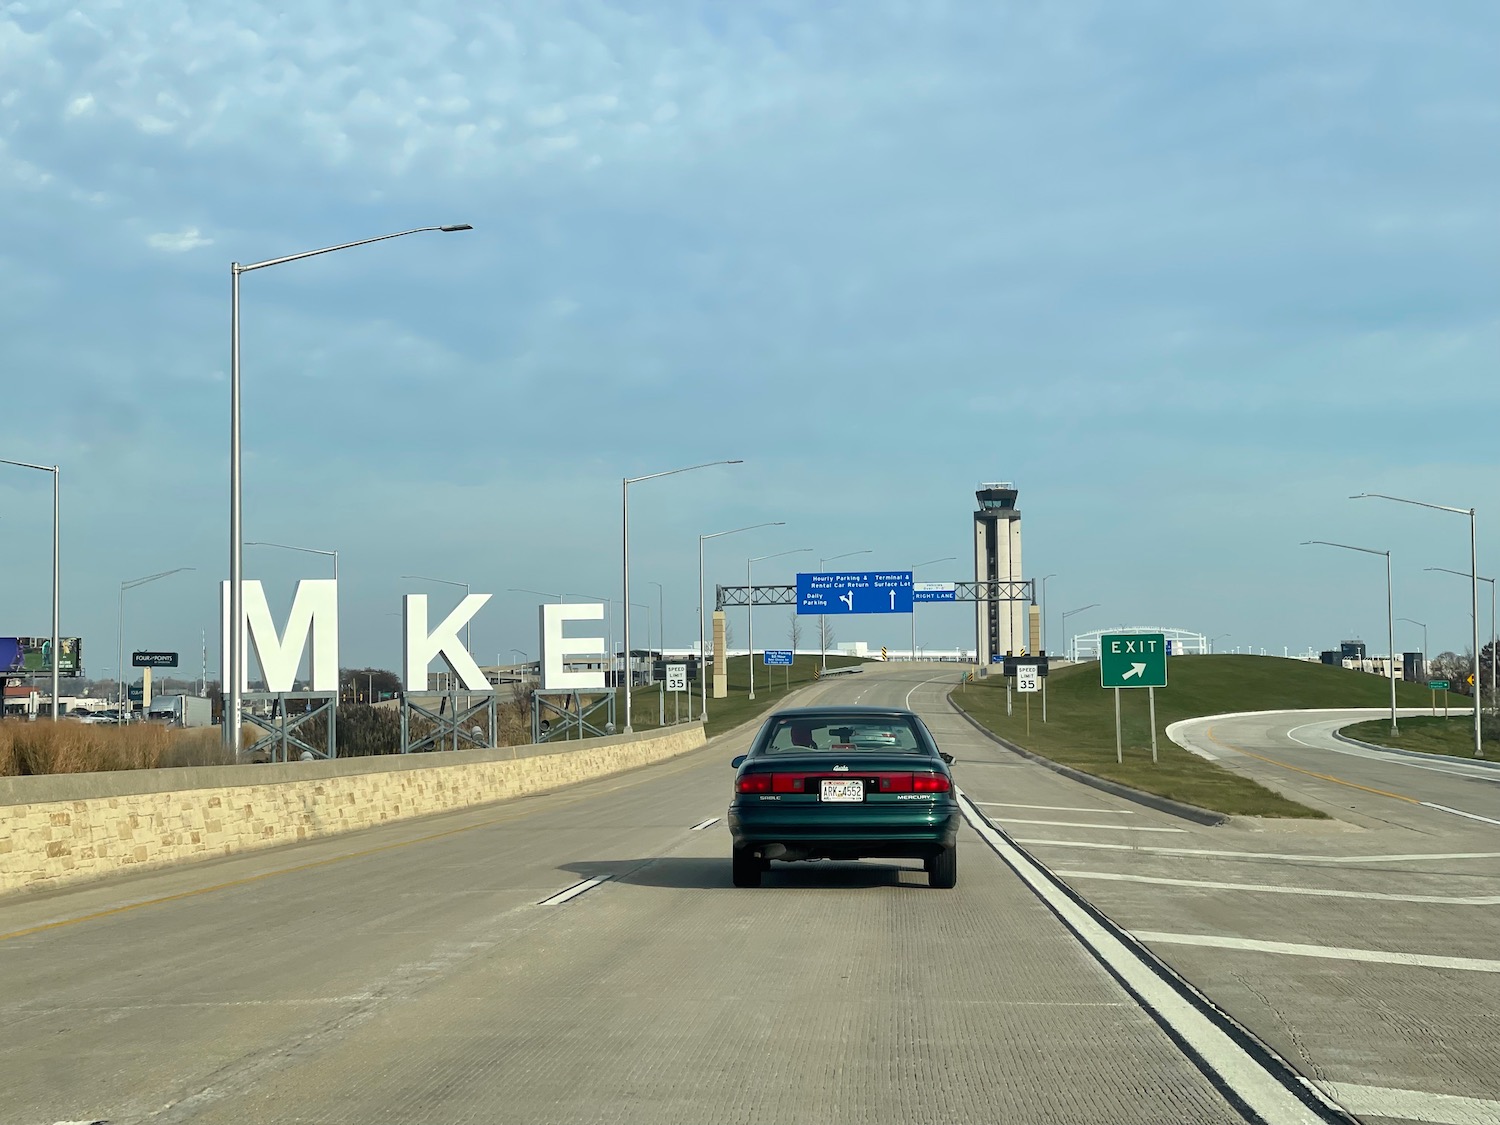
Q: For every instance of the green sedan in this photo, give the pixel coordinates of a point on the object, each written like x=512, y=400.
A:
x=844, y=783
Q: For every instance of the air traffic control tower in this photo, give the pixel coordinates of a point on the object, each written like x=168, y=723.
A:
x=1000, y=625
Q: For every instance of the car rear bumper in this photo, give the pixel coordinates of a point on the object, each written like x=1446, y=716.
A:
x=890, y=831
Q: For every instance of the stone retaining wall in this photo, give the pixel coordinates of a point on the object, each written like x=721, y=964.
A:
x=68, y=828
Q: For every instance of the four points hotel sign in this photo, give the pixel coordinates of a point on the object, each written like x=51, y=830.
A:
x=870, y=591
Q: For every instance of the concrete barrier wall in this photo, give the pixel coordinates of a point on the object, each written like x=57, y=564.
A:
x=67, y=828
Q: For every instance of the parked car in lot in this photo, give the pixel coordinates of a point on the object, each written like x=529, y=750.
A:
x=844, y=783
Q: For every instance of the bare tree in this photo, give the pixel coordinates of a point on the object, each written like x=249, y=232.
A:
x=795, y=632
x=1454, y=668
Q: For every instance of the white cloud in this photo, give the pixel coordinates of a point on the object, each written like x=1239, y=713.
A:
x=179, y=242
x=80, y=106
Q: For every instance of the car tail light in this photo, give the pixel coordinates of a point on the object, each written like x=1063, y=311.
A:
x=788, y=783
x=893, y=782
x=930, y=783
x=754, y=783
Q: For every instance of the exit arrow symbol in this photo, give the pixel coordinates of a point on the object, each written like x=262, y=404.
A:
x=1135, y=670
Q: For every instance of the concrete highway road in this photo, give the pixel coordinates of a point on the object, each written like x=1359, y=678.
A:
x=418, y=972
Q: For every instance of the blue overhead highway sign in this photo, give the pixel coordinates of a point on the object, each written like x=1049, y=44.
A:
x=870, y=591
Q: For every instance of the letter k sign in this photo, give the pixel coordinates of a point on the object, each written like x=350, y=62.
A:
x=422, y=647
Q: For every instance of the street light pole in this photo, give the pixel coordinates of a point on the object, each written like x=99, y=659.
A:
x=1044, y=609
x=468, y=625
x=305, y=550
x=822, y=618
x=1072, y=652
x=120, y=634
x=56, y=660
x=702, y=629
x=1473, y=592
x=929, y=562
x=750, y=608
x=1217, y=637
x=235, y=673
x=1390, y=619
x=1414, y=621
x=625, y=483
x=1493, y=661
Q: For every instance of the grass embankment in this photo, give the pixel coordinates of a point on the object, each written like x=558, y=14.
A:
x=67, y=746
x=1081, y=727
x=1432, y=735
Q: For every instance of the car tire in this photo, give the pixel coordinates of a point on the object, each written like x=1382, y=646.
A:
x=943, y=872
x=747, y=868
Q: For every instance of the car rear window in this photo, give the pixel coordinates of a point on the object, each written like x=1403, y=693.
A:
x=835, y=733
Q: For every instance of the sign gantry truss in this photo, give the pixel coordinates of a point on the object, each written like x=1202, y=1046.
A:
x=1023, y=590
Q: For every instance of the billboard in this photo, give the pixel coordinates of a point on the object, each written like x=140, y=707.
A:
x=22, y=655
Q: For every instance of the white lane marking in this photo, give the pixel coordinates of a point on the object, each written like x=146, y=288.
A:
x=574, y=891
x=1415, y=857
x=1326, y=728
x=1106, y=827
x=1330, y=952
x=1278, y=889
x=1049, y=808
x=924, y=683
x=1260, y=1090
x=709, y=823
x=1413, y=1105
x=1459, y=812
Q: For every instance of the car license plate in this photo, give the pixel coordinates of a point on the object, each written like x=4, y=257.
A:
x=846, y=791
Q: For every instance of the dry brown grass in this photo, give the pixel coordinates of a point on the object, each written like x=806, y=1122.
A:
x=45, y=747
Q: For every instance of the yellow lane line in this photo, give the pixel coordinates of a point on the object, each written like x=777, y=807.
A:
x=1314, y=773
x=487, y=823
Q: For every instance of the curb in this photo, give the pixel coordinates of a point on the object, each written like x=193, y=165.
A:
x=1139, y=796
x=1320, y=1105
x=1483, y=763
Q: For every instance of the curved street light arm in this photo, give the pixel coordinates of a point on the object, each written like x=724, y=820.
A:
x=448, y=229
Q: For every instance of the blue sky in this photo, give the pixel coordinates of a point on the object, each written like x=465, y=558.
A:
x=1188, y=274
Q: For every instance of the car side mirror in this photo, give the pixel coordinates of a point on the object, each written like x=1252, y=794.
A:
x=946, y=757
x=738, y=760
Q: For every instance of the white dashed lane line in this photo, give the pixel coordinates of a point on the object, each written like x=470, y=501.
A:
x=1282, y=889
x=1330, y=952
x=1102, y=827
x=574, y=891
x=1050, y=808
x=1413, y=1105
x=1416, y=857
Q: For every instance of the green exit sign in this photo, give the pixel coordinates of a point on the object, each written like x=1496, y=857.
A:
x=1131, y=660
x=1438, y=685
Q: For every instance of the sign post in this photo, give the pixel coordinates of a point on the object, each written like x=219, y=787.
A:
x=1133, y=660
x=677, y=684
x=1439, y=686
x=1027, y=682
x=779, y=657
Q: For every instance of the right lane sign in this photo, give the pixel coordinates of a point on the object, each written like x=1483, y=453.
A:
x=1132, y=660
